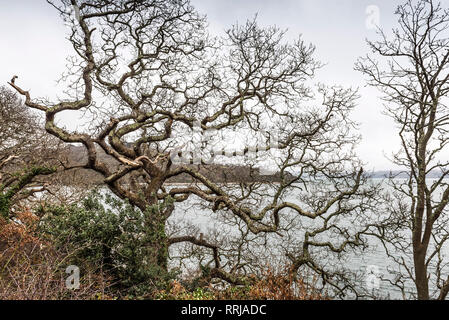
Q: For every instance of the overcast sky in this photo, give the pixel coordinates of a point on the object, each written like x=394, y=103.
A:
x=34, y=47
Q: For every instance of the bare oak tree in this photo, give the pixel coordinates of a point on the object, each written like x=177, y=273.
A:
x=146, y=74
x=414, y=77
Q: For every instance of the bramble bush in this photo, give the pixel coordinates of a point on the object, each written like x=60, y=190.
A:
x=31, y=268
x=271, y=286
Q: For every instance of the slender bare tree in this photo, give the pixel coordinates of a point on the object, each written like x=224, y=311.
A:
x=413, y=74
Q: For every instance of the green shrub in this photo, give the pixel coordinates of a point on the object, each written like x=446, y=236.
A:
x=123, y=241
